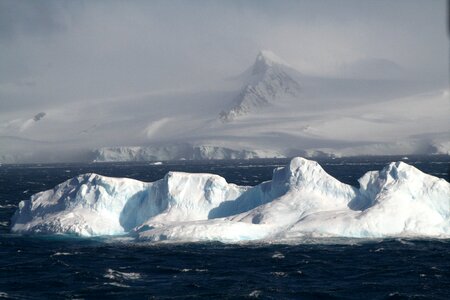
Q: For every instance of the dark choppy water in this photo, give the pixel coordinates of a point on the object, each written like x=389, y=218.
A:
x=61, y=267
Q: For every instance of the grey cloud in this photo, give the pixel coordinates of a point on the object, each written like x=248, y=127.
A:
x=78, y=50
x=37, y=17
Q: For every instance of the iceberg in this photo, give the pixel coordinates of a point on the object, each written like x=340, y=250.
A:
x=300, y=201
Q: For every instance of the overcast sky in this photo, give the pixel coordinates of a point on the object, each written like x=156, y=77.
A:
x=63, y=51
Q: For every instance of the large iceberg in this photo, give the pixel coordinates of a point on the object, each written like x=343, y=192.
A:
x=301, y=200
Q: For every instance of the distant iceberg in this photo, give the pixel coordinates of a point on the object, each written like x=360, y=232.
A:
x=301, y=200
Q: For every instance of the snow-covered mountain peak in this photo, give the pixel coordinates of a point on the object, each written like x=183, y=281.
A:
x=264, y=60
x=268, y=82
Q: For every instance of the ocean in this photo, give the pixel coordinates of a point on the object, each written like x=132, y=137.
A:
x=62, y=267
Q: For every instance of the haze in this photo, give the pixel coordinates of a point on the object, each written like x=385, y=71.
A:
x=59, y=59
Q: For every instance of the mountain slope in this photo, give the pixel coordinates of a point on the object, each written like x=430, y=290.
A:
x=267, y=82
x=269, y=110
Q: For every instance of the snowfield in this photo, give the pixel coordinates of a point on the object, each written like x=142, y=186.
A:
x=301, y=200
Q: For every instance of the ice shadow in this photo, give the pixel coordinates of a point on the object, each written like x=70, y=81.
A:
x=140, y=207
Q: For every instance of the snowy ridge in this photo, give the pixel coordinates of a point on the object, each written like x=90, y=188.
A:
x=300, y=200
x=267, y=82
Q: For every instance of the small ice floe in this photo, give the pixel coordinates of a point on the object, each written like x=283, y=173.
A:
x=5, y=223
x=156, y=163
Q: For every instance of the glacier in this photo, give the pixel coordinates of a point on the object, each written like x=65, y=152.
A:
x=301, y=201
x=178, y=151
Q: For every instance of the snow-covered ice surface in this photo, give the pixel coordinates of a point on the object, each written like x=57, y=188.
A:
x=301, y=201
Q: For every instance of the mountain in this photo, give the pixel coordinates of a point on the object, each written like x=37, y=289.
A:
x=271, y=109
x=266, y=82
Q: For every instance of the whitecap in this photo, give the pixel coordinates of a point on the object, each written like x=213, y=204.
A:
x=404, y=242
x=116, y=275
x=201, y=270
x=279, y=274
x=8, y=206
x=278, y=255
x=61, y=254
x=117, y=284
x=255, y=294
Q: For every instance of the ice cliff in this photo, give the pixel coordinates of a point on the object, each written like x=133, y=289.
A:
x=177, y=152
x=300, y=200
